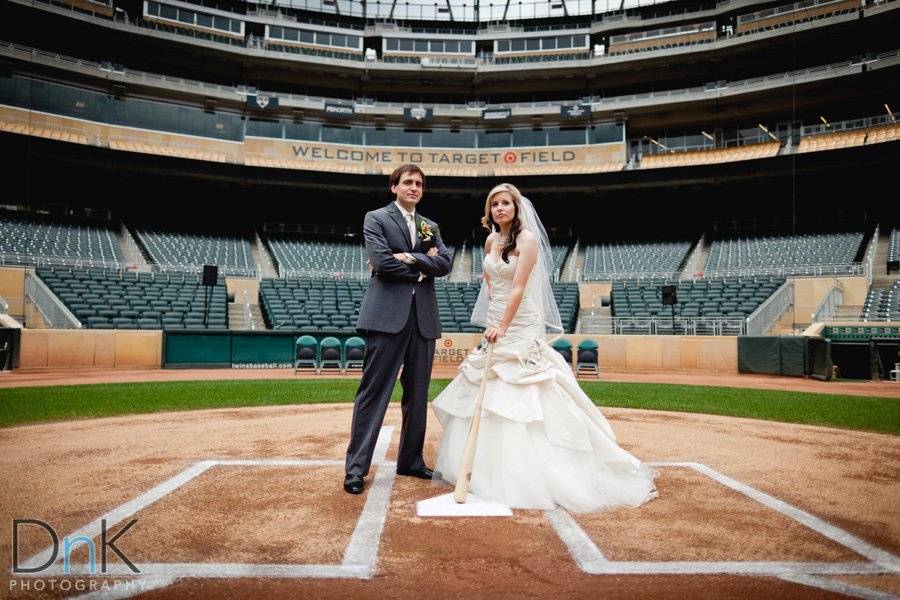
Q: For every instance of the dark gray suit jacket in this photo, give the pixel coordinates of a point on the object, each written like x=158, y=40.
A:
x=388, y=299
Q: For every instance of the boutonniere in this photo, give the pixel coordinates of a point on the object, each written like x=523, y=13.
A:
x=425, y=232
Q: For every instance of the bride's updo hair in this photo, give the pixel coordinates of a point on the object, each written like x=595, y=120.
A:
x=487, y=221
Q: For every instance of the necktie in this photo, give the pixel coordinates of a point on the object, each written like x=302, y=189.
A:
x=411, y=223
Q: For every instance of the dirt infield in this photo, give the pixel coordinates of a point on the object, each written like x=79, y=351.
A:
x=69, y=474
x=768, y=382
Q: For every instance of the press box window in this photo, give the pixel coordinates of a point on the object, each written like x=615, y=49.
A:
x=168, y=12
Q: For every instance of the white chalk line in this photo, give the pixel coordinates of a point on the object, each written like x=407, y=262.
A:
x=360, y=556
x=591, y=560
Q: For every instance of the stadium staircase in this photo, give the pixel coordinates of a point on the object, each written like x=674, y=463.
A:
x=574, y=265
x=595, y=320
x=880, y=277
x=696, y=262
x=265, y=266
x=238, y=317
x=131, y=251
x=461, y=270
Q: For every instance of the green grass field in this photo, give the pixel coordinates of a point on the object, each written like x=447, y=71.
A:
x=19, y=406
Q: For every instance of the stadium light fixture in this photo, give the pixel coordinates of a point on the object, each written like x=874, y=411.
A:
x=824, y=121
x=659, y=144
x=767, y=132
x=708, y=136
x=890, y=113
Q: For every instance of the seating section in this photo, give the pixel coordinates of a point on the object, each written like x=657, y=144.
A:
x=781, y=16
x=326, y=305
x=103, y=299
x=457, y=300
x=311, y=305
x=187, y=252
x=832, y=141
x=169, y=150
x=825, y=254
x=706, y=157
x=706, y=298
x=34, y=240
x=606, y=262
x=894, y=247
x=560, y=252
x=883, y=133
x=882, y=304
x=313, y=258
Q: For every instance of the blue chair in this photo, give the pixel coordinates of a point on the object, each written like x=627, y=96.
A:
x=331, y=354
x=354, y=353
x=588, y=358
x=564, y=347
x=306, y=353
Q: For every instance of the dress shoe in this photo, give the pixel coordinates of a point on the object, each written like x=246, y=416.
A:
x=423, y=473
x=354, y=484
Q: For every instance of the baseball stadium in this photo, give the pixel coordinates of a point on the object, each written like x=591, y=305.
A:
x=184, y=268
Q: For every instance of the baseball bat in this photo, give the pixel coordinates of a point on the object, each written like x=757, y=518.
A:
x=468, y=457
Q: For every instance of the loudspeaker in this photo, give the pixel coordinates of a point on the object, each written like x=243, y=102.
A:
x=210, y=274
x=669, y=295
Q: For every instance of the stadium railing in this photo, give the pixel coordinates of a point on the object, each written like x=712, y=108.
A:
x=323, y=274
x=834, y=297
x=637, y=276
x=662, y=325
x=869, y=258
x=317, y=103
x=795, y=271
x=51, y=308
x=768, y=313
x=19, y=260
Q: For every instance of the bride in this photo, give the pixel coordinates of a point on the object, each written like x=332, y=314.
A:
x=542, y=442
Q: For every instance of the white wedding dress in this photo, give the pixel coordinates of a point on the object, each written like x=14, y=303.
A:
x=542, y=443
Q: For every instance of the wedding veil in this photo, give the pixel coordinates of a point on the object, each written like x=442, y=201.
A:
x=538, y=287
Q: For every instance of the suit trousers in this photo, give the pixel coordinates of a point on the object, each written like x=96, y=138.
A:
x=385, y=354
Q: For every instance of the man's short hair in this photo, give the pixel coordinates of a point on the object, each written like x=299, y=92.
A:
x=403, y=170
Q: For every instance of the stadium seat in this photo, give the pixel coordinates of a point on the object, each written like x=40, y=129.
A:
x=588, y=358
x=331, y=354
x=354, y=352
x=306, y=353
x=564, y=347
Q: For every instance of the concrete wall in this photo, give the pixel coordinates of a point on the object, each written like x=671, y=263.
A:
x=698, y=354
x=80, y=349
x=809, y=292
x=591, y=293
x=236, y=286
x=12, y=288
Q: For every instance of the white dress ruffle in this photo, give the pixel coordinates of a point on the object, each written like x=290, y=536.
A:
x=542, y=443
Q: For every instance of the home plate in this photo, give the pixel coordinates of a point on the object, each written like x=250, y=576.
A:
x=445, y=506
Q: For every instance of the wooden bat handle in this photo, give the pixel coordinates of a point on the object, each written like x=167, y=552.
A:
x=468, y=458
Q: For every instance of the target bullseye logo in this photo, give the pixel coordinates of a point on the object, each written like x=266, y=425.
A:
x=509, y=157
x=448, y=343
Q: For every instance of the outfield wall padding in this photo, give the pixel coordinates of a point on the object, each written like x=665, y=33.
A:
x=774, y=355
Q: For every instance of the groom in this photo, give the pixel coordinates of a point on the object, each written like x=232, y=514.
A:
x=399, y=315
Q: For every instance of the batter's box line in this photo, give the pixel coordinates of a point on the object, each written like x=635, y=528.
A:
x=590, y=558
x=360, y=555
